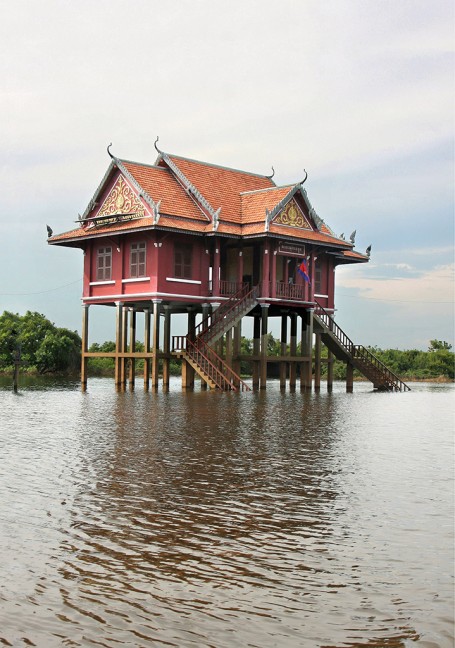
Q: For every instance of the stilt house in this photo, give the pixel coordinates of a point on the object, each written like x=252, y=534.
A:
x=218, y=244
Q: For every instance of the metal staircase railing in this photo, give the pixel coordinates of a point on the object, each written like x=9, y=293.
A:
x=362, y=359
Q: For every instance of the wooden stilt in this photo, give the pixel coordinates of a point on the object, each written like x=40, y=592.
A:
x=302, y=351
x=317, y=363
x=228, y=338
x=205, y=315
x=330, y=371
x=124, y=346
x=349, y=378
x=118, y=345
x=187, y=369
x=84, y=358
x=132, y=366
x=307, y=351
x=156, y=343
x=256, y=350
x=264, y=346
x=147, y=348
x=284, y=341
x=293, y=352
x=236, y=350
x=166, y=347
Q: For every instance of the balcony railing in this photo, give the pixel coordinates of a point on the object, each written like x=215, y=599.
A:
x=290, y=291
x=229, y=288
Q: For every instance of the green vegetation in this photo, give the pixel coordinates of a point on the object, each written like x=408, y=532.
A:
x=43, y=347
x=436, y=363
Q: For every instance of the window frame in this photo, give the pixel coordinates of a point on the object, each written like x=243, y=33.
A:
x=318, y=276
x=104, y=263
x=183, y=261
x=138, y=258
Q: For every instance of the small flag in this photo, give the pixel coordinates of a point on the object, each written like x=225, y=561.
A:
x=303, y=270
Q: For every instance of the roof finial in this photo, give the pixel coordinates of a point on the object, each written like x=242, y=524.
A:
x=157, y=139
x=112, y=156
x=306, y=176
x=271, y=176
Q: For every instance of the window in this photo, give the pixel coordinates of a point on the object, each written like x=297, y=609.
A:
x=137, y=260
x=182, y=261
x=104, y=264
x=318, y=277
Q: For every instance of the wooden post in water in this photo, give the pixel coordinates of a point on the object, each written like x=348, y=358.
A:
x=349, y=378
x=146, y=348
x=187, y=369
x=317, y=363
x=118, y=345
x=293, y=352
x=205, y=315
x=237, y=349
x=307, y=351
x=264, y=341
x=284, y=340
x=329, y=371
x=124, y=345
x=256, y=350
x=166, y=347
x=156, y=343
x=84, y=359
x=132, y=375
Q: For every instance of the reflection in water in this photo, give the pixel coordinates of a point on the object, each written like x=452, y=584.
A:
x=206, y=519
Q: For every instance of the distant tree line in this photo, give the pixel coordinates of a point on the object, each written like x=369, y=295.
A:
x=46, y=348
x=437, y=362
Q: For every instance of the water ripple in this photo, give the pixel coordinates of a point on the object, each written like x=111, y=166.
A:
x=205, y=519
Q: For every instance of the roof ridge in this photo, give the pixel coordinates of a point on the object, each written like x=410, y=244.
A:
x=253, y=191
x=144, y=164
x=218, y=166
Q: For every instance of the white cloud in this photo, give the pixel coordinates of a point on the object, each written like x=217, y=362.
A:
x=435, y=286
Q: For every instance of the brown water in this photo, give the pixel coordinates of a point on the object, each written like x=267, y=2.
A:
x=208, y=519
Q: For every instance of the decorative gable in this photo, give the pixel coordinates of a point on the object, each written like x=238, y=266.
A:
x=122, y=200
x=292, y=216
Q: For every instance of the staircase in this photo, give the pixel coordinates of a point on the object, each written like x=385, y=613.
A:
x=363, y=360
x=196, y=350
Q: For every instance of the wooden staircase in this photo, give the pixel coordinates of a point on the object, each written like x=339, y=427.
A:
x=196, y=350
x=361, y=358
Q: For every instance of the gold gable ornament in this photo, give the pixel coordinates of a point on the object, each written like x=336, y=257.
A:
x=122, y=200
x=291, y=216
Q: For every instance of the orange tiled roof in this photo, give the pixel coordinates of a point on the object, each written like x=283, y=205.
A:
x=221, y=186
x=244, y=198
x=160, y=184
x=254, y=204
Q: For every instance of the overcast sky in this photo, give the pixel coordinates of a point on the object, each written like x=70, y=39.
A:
x=360, y=93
